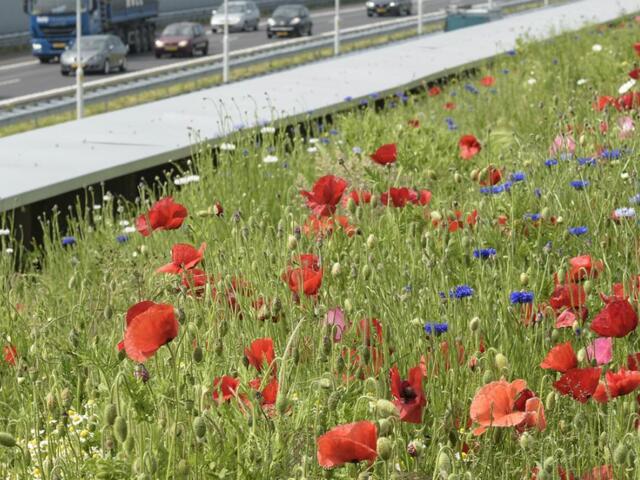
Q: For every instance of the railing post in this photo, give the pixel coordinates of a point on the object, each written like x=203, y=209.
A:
x=80, y=69
x=225, y=44
x=419, y=17
x=336, y=29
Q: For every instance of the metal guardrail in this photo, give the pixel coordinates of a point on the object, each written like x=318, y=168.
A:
x=104, y=90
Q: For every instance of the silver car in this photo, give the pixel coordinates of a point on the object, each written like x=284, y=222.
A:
x=100, y=53
x=242, y=16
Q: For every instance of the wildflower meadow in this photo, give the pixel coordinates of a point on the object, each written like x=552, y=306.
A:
x=435, y=285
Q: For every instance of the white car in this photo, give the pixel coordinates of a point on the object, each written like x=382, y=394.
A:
x=241, y=15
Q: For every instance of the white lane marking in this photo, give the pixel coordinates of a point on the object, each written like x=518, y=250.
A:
x=9, y=82
x=13, y=66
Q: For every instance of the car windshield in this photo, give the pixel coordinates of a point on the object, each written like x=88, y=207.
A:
x=48, y=7
x=232, y=8
x=177, y=30
x=91, y=43
x=287, y=11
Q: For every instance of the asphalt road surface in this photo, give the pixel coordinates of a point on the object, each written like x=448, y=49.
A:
x=24, y=75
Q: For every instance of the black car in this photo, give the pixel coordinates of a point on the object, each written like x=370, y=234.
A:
x=388, y=7
x=289, y=20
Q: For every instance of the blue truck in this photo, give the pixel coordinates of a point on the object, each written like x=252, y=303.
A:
x=52, y=23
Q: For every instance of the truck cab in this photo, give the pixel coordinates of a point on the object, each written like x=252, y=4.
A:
x=52, y=23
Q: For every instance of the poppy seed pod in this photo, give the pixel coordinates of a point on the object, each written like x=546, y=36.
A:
x=371, y=241
x=121, y=430
x=199, y=427
x=110, y=414
x=7, y=440
x=335, y=269
x=500, y=361
x=386, y=409
x=384, y=446
x=292, y=242
x=474, y=324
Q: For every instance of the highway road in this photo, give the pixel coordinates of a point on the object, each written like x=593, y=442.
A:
x=23, y=75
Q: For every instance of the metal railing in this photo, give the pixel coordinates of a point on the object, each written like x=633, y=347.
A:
x=104, y=90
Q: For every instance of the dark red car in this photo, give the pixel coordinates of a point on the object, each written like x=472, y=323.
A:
x=183, y=38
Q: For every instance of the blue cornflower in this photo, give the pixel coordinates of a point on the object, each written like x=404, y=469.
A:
x=577, y=231
x=588, y=161
x=435, y=328
x=356, y=150
x=537, y=192
x=407, y=288
x=364, y=101
x=471, y=88
x=521, y=297
x=374, y=95
x=451, y=125
x=511, y=53
x=122, y=238
x=67, y=241
x=325, y=141
x=635, y=199
x=518, y=176
x=532, y=216
x=551, y=162
x=461, y=291
x=245, y=152
x=613, y=154
x=348, y=98
x=333, y=131
x=453, y=93
x=547, y=247
x=484, y=252
x=505, y=71
x=579, y=184
x=496, y=189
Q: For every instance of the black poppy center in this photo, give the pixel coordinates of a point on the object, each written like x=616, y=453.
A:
x=407, y=393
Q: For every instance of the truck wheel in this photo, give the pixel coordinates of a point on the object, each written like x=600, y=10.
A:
x=44, y=60
x=137, y=42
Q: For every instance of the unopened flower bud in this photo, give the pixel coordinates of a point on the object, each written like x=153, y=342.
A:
x=544, y=213
x=555, y=335
x=371, y=241
x=582, y=355
x=436, y=216
x=474, y=324
x=198, y=354
x=385, y=427
x=457, y=177
x=292, y=242
x=121, y=430
x=384, y=448
x=351, y=205
x=549, y=464
x=443, y=463
x=66, y=397
x=550, y=401
x=587, y=287
x=325, y=383
x=500, y=361
x=474, y=175
x=386, y=409
x=110, y=414
x=199, y=427
x=335, y=269
x=620, y=454
x=524, y=279
x=526, y=441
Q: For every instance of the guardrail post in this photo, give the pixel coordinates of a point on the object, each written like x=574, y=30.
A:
x=420, y=17
x=336, y=29
x=225, y=44
x=80, y=69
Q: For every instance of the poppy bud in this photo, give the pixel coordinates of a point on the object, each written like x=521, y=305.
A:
x=204, y=213
x=107, y=312
x=366, y=271
x=371, y=386
x=544, y=213
x=371, y=241
x=197, y=354
x=579, y=420
x=7, y=440
x=143, y=249
x=183, y=469
x=587, y=287
x=500, y=361
x=526, y=441
x=385, y=427
x=348, y=306
x=561, y=274
x=486, y=377
x=374, y=199
x=120, y=429
x=66, y=398
x=292, y=242
x=474, y=324
x=620, y=454
x=549, y=464
x=384, y=447
x=465, y=242
x=524, y=279
x=474, y=175
x=150, y=463
x=386, y=409
x=335, y=269
x=325, y=383
x=443, y=464
x=457, y=177
x=334, y=398
x=326, y=345
x=560, y=219
x=282, y=404
x=179, y=313
x=582, y=355
x=199, y=427
x=436, y=216
x=52, y=404
x=555, y=335
x=110, y=414
x=351, y=205
x=550, y=401
x=431, y=174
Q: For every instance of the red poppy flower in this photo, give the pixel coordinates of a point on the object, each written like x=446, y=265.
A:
x=260, y=352
x=325, y=226
x=616, y=319
x=165, y=214
x=364, y=330
x=434, y=91
x=358, y=197
x=488, y=81
x=491, y=176
x=408, y=394
x=225, y=388
x=469, y=147
x=633, y=361
x=560, y=358
x=617, y=384
x=269, y=394
x=604, y=101
x=562, y=474
x=414, y=123
x=603, y=472
x=501, y=404
x=449, y=106
x=629, y=101
x=10, y=354
x=635, y=73
x=398, y=197
x=183, y=257
x=571, y=295
x=349, y=443
x=580, y=383
x=195, y=281
x=583, y=267
x=386, y=154
x=149, y=326
x=636, y=47
x=304, y=280
x=325, y=195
